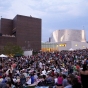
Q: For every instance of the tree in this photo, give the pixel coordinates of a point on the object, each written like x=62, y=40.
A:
x=11, y=49
x=17, y=50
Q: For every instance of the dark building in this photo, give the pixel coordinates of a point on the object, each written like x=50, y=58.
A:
x=22, y=30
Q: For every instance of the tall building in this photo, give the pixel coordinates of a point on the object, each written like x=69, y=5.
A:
x=22, y=30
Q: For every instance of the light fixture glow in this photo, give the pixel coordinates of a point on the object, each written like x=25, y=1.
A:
x=76, y=45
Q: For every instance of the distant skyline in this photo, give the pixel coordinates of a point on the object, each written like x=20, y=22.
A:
x=55, y=14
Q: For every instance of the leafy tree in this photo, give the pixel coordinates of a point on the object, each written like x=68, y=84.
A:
x=17, y=50
x=8, y=49
x=11, y=49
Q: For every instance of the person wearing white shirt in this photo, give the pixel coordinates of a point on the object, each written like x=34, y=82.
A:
x=28, y=80
x=40, y=65
x=56, y=80
x=44, y=72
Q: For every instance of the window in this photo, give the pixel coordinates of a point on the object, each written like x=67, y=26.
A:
x=62, y=45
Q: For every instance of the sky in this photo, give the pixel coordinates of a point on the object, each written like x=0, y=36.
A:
x=55, y=14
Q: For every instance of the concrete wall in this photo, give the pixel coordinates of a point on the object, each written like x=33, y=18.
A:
x=27, y=53
x=74, y=45
x=79, y=45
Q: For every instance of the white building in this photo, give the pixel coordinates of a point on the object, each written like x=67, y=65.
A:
x=66, y=40
x=68, y=35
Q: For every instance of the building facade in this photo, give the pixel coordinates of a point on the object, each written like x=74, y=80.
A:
x=68, y=35
x=66, y=40
x=22, y=30
x=67, y=45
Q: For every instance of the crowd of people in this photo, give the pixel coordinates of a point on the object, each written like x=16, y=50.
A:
x=64, y=69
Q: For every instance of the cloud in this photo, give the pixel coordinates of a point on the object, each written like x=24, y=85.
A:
x=55, y=14
x=45, y=7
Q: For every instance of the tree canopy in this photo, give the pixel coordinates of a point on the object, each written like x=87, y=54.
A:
x=11, y=49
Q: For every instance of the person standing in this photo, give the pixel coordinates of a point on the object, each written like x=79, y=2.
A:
x=64, y=83
x=60, y=80
x=84, y=76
